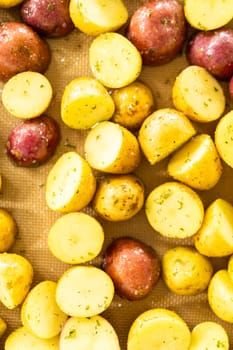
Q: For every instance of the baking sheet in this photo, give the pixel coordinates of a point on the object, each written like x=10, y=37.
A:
x=23, y=193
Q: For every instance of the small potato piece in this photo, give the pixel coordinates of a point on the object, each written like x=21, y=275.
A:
x=191, y=163
x=230, y=87
x=158, y=328
x=224, y=138
x=119, y=198
x=16, y=275
x=84, y=291
x=111, y=148
x=158, y=29
x=50, y=18
x=21, y=50
x=215, y=237
x=230, y=267
x=75, y=238
x=114, y=60
x=208, y=14
x=101, y=334
x=27, y=95
x=133, y=266
x=70, y=184
x=32, y=142
x=8, y=230
x=95, y=17
x=174, y=210
x=40, y=313
x=22, y=339
x=3, y=327
x=133, y=104
x=209, y=335
x=198, y=94
x=163, y=132
x=85, y=102
x=9, y=3
x=186, y=271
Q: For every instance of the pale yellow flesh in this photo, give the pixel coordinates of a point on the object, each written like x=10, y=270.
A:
x=3, y=327
x=8, y=230
x=174, y=210
x=88, y=333
x=224, y=138
x=27, y=95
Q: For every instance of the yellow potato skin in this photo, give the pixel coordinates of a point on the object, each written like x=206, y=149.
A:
x=8, y=230
x=224, y=138
x=3, y=327
x=9, y=3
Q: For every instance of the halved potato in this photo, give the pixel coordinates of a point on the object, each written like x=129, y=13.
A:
x=8, y=230
x=191, y=164
x=3, y=327
x=224, y=138
x=162, y=132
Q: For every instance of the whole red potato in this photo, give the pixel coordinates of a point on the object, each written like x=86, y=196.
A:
x=158, y=30
x=213, y=50
x=231, y=88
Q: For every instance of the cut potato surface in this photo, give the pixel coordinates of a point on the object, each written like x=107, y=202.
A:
x=9, y=3
x=224, y=138
x=159, y=329
x=3, y=327
x=163, y=132
x=27, y=95
x=85, y=102
x=70, y=183
x=95, y=17
x=114, y=60
x=198, y=94
x=76, y=238
x=111, y=148
x=208, y=14
x=191, y=164
x=84, y=291
x=8, y=230
x=174, y=210
x=92, y=333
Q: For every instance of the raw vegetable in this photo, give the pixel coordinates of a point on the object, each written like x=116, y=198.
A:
x=8, y=230
x=9, y=3
x=224, y=138
x=3, y=327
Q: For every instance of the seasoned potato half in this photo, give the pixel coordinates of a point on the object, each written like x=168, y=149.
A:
x=208, y=14
x=215, y=237
x=70, y=183
x=111, y=148
x=174, y=210
x=84, y=291
x=9, y=3
x=8, y=230
x=114, y=60
x=27, y=95
x=163, y=132
x=75, y=238
x=101, y=334
x=95, y=17
x=191, y=164
x=85, y=102
x=230, y=267
x=158, y=329
x=198, y=94
x=224, y=138
x=3, y=327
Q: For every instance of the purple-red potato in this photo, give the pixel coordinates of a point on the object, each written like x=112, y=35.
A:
x=213, y=50
x=231, y=88
x=133, y=266
x=22, y=49
x=48, y=17
x=33, y=141
x=158, y=30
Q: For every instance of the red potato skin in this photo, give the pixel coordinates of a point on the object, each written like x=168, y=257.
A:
x=231, y=88
x=133, y=266
x=213, y=50
x=32, y=142
x=50, y=18
x=22, y=49
x=158, y=30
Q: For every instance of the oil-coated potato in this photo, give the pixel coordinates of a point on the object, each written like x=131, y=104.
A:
x=133, y=266
x=8, y=230
x=9, y=3
x=224, y=138
x=3, y=327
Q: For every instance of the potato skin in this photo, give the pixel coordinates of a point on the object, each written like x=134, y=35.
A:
x=231, y=88
x=158, y=29
x=133, y=266
x=22, y=49
x=213, y=50
x=48, y=17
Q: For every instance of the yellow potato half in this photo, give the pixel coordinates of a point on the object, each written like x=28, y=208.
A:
x=8, y=230
x=224, y=138
x=9, y=3
x=70, y=183
x=3, y=327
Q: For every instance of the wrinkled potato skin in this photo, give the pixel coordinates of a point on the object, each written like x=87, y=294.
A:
x=21, y=50
x=133, y=266
x=158, y=30
x=48, y=17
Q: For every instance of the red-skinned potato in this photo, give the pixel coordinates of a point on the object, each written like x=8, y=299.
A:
x=33, y=141
x=158, y=29
x=133, y=266
x=231, y=88
x=22, y=49
x=48, y=17
x=213, y=50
